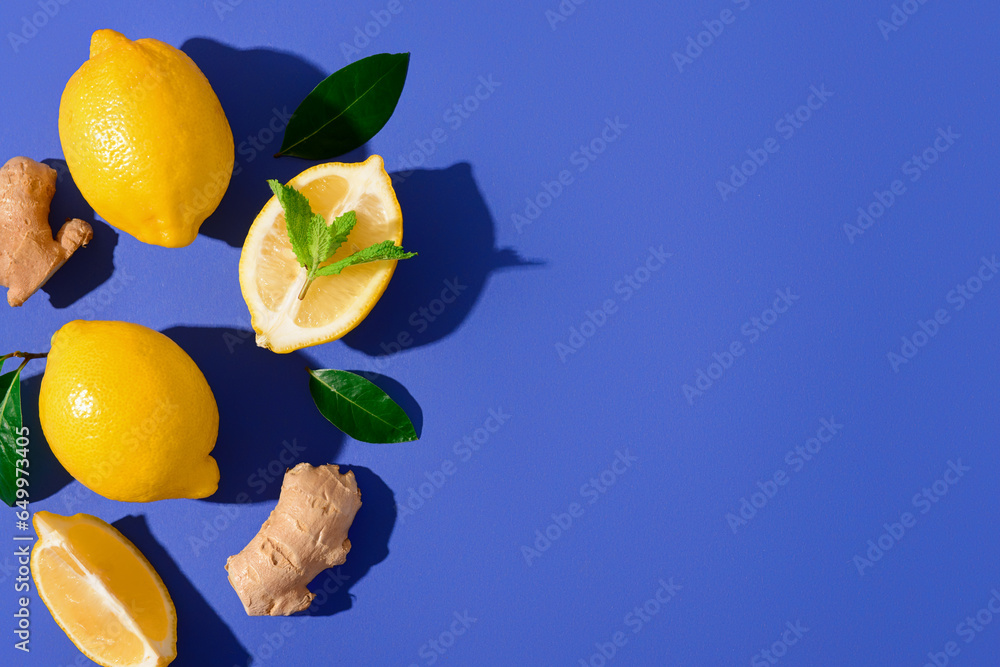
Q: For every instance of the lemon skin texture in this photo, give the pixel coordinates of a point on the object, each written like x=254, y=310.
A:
x=146, y=139
x=128, y=413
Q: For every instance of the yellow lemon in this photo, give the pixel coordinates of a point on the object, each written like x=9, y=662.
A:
x=271, y=278
x=128, y=413
x=146, y=139
x=103, y=592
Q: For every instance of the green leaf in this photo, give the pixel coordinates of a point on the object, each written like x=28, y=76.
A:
x=10, y=430
x=347, y=108
x=298, y=218
x=319, y=240
x=342, y=225
x=373, y=253
x=359, y=408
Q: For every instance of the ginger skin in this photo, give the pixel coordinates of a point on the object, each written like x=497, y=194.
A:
x=28, y=253
x=305, y=534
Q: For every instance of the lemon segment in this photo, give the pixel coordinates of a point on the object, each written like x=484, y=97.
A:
x=271, y=277
x=103, y=592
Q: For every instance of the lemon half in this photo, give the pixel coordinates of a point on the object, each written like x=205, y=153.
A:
x=271, y=277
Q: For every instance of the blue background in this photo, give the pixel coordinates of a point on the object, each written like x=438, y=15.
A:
x=530, y=284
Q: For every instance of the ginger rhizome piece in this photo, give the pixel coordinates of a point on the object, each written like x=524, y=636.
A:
x=305, y=534
x=28, y=253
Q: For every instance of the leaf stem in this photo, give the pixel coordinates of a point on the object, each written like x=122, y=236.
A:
x=26, y=356
x=309, y=281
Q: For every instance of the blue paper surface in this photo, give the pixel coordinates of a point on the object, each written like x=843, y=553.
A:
x=718, y=382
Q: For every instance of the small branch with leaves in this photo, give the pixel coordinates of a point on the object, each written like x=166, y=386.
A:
x=11, y=425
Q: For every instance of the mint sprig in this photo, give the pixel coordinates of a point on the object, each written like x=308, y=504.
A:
x=315, y=242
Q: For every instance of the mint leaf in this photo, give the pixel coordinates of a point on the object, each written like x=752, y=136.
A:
x=10, y=431
x=342, y=226
x=314, y=241
x=359, y=408
x=373, y=253
x=298, y=218
x=319, y=240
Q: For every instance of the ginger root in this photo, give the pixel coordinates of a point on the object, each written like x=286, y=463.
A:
x=305, y=534
x=28, y=254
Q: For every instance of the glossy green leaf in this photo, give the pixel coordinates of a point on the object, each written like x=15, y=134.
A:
x=347, y=108
x=10, y=431
x=359, y=408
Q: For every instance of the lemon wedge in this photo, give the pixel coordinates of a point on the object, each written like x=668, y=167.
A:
x=103, y=592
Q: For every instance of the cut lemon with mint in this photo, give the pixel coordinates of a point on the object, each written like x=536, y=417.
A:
x=103, y=592
x=321, y=253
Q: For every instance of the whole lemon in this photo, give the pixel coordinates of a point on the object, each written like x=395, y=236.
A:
x=146, y=139
x=128, y=413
